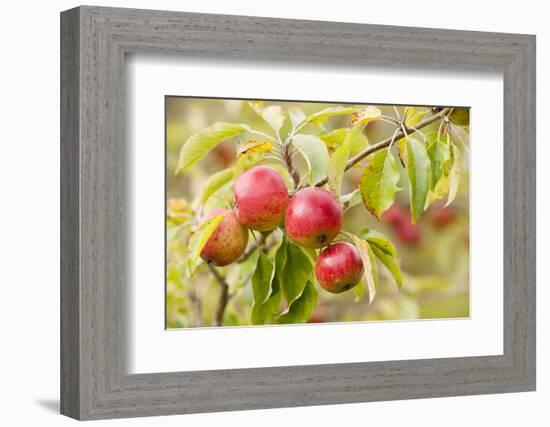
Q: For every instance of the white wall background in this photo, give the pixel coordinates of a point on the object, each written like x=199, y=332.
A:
x=29, y=213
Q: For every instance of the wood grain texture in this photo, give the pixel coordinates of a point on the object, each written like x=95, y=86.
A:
x=94, y=269
x=70, y=292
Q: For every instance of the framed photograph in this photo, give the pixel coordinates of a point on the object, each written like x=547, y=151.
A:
x=262, y=213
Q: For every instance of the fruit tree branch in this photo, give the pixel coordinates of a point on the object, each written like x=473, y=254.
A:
x=386, y=142
x=224, y=295
x=291, y=170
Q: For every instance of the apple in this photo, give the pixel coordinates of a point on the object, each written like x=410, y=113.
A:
x=460, y=116
x=313, y=218
x=261, y=198
x=443, y=217
x=227, y=242
x=394, y=215
x=339, y=267
x=408, y=233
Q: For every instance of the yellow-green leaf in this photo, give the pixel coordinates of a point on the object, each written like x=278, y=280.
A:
x=335, y=138
x=339, y=159
x=454, y=174
x=295, y=272
x=391, y=263
x=214, y=183
x=296, y=116
x=315, y=154
x=273, y=115
x=246, y=161
x=414, y=116
x=198, y=145
x=336, y=169
x=249, y=147
x=440, y=158
x=199, y=238
x=380, y=240
x=350, y=200
x=370, y=268
x=365, y=115
x=402, y=151
x=265, y=290
x=419, y=172
x=302, y=307
x=440, y=189
x=379, y=182
x=325, y=114
x=359, y=290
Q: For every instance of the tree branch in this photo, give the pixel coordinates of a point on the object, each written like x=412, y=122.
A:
x=224, y=295
x=196, y=306
x=288, y=160
x=386, y=142
x=260, y=243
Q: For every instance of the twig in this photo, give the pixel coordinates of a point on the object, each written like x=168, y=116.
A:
x=196, y=305
x=224, y=295
x=291, y=170
x=261, y=243
x=386, y=142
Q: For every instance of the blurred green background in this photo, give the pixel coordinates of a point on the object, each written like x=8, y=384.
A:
x=434, y=253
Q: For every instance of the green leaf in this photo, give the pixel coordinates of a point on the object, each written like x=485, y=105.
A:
x=359, y=290
x=339, y=159
x=460, y=134
x=198, y=145
x=336, y=169
x=440, y=158
x=365, y=115
x=379, y=182
x=296, y=272
x=391, y=263
x=315, y=154
x=325, y=114
x=402, y=150
x=454, y=174
x=273, y=115
x=261, y=279
x=351, y=200
x=254, y=147
x=214, y=183
x=370, y=275
x=199, y=238
x=419, y=172
x=336, y=137
x=246, y=161
x=414, y=116
x=380, y=240
x=302, y=308
x=441, y=188
x=266, y=292
x=296, y=116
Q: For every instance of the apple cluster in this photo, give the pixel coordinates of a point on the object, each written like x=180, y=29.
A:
x=312, y=219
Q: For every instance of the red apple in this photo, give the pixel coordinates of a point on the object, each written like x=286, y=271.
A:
x=394, y=215
x=339, y=267
x=313, y=218
x=443, y=217
x=408, y=233
x=261, y=198
x=228, y=242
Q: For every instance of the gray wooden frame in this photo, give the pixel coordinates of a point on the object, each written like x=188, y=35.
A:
x=94, y=382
